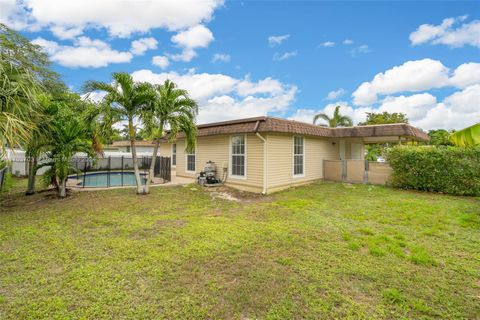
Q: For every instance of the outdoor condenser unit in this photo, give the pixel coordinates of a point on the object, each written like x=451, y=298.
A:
x=209, y=175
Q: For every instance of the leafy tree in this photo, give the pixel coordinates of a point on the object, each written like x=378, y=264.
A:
x=467, y=137
x=24, y=73
x=173, y=109
x=41, y=138
x=69, y=135
x=337, y=120
x=384, y=118
x=125, y=100
x=440, y=137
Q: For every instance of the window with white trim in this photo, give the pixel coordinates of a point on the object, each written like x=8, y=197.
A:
x=238, y=156
x=191, y=159
x=298, y=156
x=174, y=154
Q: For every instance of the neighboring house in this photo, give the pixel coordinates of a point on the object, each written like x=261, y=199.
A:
x=266, y=154
x=143, y=147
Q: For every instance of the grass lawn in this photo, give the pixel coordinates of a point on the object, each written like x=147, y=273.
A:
x=325, y=250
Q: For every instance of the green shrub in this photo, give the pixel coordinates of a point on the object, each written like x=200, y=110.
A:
x=452, y=170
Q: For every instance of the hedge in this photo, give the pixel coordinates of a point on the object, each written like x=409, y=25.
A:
x=452, y=170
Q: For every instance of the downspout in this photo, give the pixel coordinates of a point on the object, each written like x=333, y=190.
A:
x=265, y=159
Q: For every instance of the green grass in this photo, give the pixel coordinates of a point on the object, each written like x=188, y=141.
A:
x=321, y=251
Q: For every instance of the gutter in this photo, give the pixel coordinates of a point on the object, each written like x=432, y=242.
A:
x=265, y=159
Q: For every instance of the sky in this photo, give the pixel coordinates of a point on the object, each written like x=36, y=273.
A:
x=289, y=59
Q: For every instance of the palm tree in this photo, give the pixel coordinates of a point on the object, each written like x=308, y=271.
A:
x=126, y=99
x=18, y=89
x=172, y=109
x=336, y=121
x=68, y=137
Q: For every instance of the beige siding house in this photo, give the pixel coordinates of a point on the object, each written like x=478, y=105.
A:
x=266, y=154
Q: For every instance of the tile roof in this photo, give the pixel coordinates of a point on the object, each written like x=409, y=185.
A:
x=271, y=124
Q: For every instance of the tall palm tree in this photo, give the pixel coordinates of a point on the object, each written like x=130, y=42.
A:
x=337, y=120
x=125, y=99
x=18, y=89
x=174, y=110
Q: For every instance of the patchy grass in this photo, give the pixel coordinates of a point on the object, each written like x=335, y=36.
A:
x=325, y=250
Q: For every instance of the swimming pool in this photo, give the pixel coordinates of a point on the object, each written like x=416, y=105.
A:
x=106, y=179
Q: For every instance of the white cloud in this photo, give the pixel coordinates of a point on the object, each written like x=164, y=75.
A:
x=50, y=47
x=466, y=74
x=196, y=37
x=276, y=40
x=457, y=111
x=465, y=101
x=335, y=94
x=120, y=19
x=86, y=53
x=221, y=57
x=95, y=96
x=360, y=50
x=327, y=44
x=412, y=76
x=160, y=61
x=64, y=33
x=415, y=106
x=449, y=33
x=284, y=56
x=217, y=93
x=140, y=46
x=347, y=42
x=186, y=55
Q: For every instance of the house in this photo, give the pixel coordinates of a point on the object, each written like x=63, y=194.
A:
x=143, y=147
x=266, y=154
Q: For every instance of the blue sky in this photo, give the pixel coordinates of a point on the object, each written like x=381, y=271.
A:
x=284, y=58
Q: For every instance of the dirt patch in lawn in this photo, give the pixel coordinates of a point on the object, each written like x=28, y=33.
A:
x=235, y=195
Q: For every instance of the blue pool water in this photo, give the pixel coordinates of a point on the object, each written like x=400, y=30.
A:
x=100, y=179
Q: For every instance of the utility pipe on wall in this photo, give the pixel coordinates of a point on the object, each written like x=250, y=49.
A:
x=265, y=162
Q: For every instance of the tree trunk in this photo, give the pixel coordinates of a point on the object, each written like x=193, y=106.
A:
x=151, y=172
x=32, y=172
x=133, y=146
x=63, y=188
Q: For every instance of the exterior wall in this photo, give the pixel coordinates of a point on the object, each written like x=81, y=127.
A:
x=165, y=149
x=350, y=145
x=217, y=149
x=280, y=160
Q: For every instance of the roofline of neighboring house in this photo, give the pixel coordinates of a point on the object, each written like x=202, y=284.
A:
x=273, y=124
x=126, y=143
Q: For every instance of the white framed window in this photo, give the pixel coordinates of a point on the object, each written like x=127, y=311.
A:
x=191, y=161
x=174, y=155
x=298, y=156
x=238, y=157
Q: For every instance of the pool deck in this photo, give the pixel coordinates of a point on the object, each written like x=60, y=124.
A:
x=157, y=182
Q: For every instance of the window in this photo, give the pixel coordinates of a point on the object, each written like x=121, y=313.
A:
x=191, y=161
x=174, y=155
x=238, y=156
x=298, y=156
x=128, y=148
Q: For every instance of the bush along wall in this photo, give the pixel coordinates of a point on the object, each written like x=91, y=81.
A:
x=452, y=170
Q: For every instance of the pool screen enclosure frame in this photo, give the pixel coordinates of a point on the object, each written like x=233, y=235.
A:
x=109, y=165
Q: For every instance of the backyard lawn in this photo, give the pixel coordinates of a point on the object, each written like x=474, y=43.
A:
x=326, y=250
